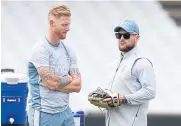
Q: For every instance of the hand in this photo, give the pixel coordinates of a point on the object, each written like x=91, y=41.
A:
x=108, y=100
x=104, y=98
x=52, y=82
x=70, y=78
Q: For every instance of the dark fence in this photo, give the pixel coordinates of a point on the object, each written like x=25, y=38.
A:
x=153, y=120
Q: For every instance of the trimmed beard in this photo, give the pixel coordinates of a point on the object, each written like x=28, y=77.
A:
x=127, y=49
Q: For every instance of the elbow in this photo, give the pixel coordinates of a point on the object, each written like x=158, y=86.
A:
x=78, y=89
x=152, y=94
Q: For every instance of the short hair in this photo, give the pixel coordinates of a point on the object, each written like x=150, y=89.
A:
x=58, y=11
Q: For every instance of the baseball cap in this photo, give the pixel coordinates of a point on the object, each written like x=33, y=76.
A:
x=128, y=25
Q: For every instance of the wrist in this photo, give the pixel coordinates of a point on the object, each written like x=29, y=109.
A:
x=123, y=100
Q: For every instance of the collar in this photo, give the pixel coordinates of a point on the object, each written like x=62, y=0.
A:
x=56, y=45
x=131, y=52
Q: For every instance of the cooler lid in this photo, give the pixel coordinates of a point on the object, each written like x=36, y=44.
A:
x=13, y=78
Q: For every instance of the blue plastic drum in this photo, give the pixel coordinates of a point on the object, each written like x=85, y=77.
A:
x=14, y=91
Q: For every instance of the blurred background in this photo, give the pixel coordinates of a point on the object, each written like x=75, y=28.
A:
x=92, y=38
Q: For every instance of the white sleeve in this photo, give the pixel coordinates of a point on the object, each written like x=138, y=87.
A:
x=143, y=71
x=39, y=57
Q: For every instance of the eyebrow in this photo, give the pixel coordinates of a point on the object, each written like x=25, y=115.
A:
x=123, y=32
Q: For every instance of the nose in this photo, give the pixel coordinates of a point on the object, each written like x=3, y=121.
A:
x=67, y=28
x=121, y=38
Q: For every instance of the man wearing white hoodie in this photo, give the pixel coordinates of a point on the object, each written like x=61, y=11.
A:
x=134, y=80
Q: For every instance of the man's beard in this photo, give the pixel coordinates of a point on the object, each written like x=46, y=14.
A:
x=128, y=48
x=59, y=35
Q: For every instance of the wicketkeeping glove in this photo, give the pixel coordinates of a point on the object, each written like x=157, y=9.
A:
x=99, y=94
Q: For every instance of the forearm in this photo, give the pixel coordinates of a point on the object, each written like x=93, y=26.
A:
x=59, y=81
x=141, y=96
x=74, y=86
x=52, y=81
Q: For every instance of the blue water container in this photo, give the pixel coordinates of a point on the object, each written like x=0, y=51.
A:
x=79, y=118
x=14, y=91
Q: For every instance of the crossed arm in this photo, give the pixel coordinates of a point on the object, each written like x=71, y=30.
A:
x=68, y=84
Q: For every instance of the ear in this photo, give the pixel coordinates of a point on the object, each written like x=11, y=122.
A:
x=51, y=22
x=137, y=37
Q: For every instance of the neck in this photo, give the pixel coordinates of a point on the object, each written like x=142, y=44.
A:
x=128, y=52
x=53, y=39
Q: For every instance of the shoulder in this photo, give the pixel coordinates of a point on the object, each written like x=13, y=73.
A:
x=40, y=49
x=140, y=59
x=143, y=62
x=142, y=65
x=40, y=46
